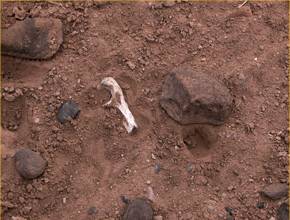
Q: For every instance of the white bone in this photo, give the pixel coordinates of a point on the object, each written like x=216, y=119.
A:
x=117, y=100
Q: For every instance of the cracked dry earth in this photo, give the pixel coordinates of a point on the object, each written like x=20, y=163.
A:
x=92, y=161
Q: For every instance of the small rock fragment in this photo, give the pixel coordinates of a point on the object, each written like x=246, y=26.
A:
x=157, y=168
x=158, y=217
x=92, y=210
x=26, y=210
x=19, y=13
x=139, y=209
x=283, y=212
x=150, y=194
x=17, y=218
x=7, y=205
x=260, y=205
x=275, y=191
x=131, y=65
x=29, y=164
x=125, y=199
x=230, y=214
x=191, y=97
x=9, y=97
x=168, y=4
x=68, y=110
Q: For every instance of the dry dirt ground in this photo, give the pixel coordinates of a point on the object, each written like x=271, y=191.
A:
x=93, y=161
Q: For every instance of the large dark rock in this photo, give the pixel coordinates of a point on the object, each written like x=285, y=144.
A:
x=138, y=209
x=275, y=191
x=29, y=164
x=192, y=97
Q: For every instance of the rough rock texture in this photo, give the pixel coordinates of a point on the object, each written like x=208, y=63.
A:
x=275, y=190
x=29, y=164
x=192, y=97
x=138, y=209
x=67, y=111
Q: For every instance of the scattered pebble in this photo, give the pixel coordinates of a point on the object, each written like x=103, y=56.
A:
x=68, y=110
x=17, y=218
x=201, y=180
x=189, y=168
x=131, y=65
x=158, y=217
x=157, y=168
x=275, y=191
x=26, y=210
x=21, y=200
x=125, y=199
x=29, y=188
x=260, y=205
x=168, y=4
x=19, y=13
x=230, y=214
x=29, y=164
x=92, y=210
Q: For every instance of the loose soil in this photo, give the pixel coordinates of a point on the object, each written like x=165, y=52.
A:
x=92, y=161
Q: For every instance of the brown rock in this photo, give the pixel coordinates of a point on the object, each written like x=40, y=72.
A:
x=29, y=164
x=190, y=97
x=275, y=191
x=33, y=38
x=138, y=209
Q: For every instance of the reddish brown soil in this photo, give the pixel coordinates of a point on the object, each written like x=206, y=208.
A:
x=93, y=161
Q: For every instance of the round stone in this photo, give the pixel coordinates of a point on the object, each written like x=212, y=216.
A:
x=29, y=164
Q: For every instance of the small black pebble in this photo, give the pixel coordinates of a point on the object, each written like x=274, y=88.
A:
x=230, y=217
x=230, y=214
x=157, y=168
x=229, y=210
x=92, y=210
x=260, y=205
x=67, y=111
x=125, y=199
x=189, y=168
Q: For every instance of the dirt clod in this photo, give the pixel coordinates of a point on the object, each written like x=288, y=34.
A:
x=29, y=164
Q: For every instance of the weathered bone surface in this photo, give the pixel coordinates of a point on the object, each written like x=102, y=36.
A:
x=118, y=101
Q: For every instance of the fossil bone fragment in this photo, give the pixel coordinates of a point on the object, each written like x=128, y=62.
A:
x=118, y=101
